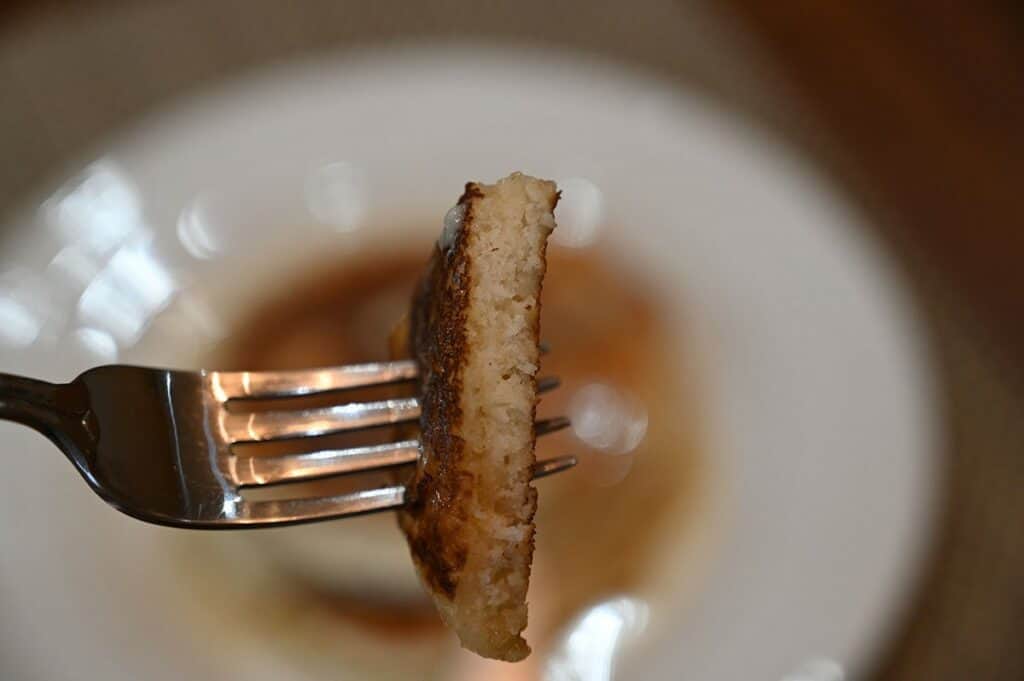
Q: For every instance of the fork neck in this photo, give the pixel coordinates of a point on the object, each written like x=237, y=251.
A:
x=36, y=404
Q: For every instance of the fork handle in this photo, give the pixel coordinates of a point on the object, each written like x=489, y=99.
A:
x=33, y=403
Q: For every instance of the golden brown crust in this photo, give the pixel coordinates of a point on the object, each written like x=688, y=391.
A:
x=432, y=518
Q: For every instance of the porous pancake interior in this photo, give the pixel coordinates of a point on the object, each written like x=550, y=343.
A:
x=507, y=231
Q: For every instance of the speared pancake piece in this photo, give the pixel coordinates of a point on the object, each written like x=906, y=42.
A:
x=473, y=329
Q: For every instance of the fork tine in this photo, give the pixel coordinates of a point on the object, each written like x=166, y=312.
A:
x=321, y=508
x=548, y=426
x=262, y=385
x=268, y=470
x=282, y=425
x=244, y=385
x=279, y=425
x=542, y=469
x=354, y=503
x=546, y=384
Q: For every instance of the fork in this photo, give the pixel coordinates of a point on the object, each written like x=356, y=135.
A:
x=158, y=444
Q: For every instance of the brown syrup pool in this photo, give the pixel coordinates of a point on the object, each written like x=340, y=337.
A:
x=341, y=596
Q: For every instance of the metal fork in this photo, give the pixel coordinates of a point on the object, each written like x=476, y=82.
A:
x=158, y=444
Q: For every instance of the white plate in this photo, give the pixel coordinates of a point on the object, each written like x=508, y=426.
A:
x=819, y=393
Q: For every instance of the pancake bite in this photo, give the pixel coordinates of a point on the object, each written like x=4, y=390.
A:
x=473, y=328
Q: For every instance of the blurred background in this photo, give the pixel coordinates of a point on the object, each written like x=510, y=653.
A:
x=914, y=110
